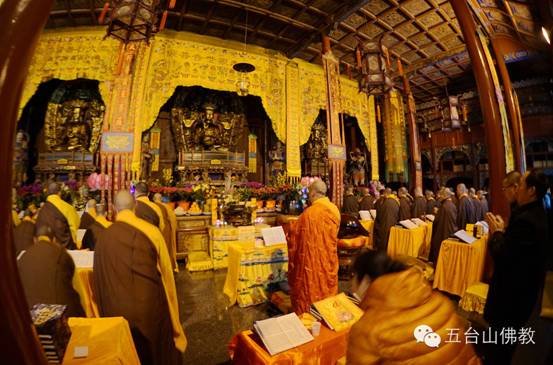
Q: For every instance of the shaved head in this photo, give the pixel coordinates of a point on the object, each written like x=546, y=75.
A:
x=91, y=203
x=141, y=188
x=461, y=189
x=418, y=191
x=158, y=197
x=512, y=178
x=402, y=191
x=123, y=201
x=53, y=188
x=316, y=190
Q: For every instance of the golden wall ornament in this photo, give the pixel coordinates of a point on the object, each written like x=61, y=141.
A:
x=183, y=59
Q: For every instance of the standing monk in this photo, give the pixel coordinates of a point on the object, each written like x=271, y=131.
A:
x=478, y=215
x=147, y=210
x=367, y=201
x=483, y=202
x=431, y=204
x=404, y=204
x=387, y=216
x=419, y=205
x=170, y=232
x=61, y=217
x=350, y=205
x=465, y=209
x=89, y=214
x=95, y=229
x=444, y=224
x=133, y=278
x=24, y=233
x=312, y=251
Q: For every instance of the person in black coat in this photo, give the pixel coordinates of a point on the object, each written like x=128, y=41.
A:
x=518, y=254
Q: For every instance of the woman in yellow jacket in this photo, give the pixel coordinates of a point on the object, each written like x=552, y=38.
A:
x=405, y=321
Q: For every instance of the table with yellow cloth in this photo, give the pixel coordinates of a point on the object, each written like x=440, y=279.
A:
x=410, y=242
x=325, y=349
x=474, y=299
x=251, y=269
x=83, y=283
x=460, y=265
x=109, y=341
x=369, y=227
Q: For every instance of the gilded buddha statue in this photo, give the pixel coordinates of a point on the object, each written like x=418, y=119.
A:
x=208, y=131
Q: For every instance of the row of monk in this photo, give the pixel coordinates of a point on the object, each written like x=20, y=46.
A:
x=134, y=262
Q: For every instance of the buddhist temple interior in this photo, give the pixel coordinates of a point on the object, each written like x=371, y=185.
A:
x=225, y=120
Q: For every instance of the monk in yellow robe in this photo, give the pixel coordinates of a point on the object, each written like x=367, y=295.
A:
x=61, y=217
x=133, y=278
x=170, y=231
x=95, y=229
x=312, y=251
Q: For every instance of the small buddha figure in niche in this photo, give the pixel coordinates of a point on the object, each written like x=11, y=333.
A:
x=77, y=137
x=318, y=146
x=276, y=157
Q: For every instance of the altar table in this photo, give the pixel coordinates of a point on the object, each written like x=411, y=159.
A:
x=326, y=349
x=460, y=265
x=83, y=283
x=409, y=242
x=251, y=269
x=369, y=227
x=109, y=341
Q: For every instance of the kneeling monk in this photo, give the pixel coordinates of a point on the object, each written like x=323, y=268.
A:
x=312, y=251
x=133, y=278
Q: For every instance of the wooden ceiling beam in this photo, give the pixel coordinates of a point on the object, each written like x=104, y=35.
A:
x=183, y=11
x=231, y=25
x=208, y=17
x=68, y=11
x=338, y=16
x=92, y=12
x=423, y=63
x=296, y=14
x=260, y=22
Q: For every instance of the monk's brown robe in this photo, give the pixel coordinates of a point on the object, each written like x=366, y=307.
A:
x=484, y=204
x=127, y=283
x=367, y=202
x=92, y=235
x=444, y=226
x=387, y=216
x=86, y=221
x=46, y=271
x=465, y=212
x=313, y=256
x=478, y=215
x=419, y=207
x=404, y=208
x=143, y=211
x=430, y=205
x=167, y=233
x=50, y=216
x=23, y=235
x=350, y=205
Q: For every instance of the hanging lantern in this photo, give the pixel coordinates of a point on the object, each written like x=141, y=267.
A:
x=375, y=78
x=243, y=84
x=133, y=20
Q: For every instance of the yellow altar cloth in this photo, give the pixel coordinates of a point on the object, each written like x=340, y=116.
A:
x=410, y=242
x=83, y=283
x=325, y=349
x=109, y=341
x=460, y=265
x=474, y=299
x=251, y=269
x=369, y=226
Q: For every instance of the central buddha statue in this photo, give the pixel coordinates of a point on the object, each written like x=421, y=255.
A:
x=208, y=132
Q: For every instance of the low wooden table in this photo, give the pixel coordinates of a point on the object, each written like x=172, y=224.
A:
x=326, y=349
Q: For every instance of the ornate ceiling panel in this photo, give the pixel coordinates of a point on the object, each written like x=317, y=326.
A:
x=424, y=34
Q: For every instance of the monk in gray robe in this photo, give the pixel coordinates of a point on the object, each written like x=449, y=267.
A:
x=404, y=204
x=60, y=216
x=351, y=204
x=483, y=202
x=419, y=204
x=465, y=209
x=387, y=216
x=46, y=271
x=89, y=214
x=432, y=204
x=367, y=200
x=476, y=204
x=128, y=283
x=23, y=233
x=444, y=224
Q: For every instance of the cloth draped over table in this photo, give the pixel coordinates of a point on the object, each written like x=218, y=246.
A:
x=292, y=91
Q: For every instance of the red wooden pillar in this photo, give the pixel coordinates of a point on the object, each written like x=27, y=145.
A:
x=22, y=22
x=488, y=104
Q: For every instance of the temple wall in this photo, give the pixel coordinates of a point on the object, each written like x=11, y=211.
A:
x=292, y=91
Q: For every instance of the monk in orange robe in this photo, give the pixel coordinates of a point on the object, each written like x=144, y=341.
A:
x=312, y=251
